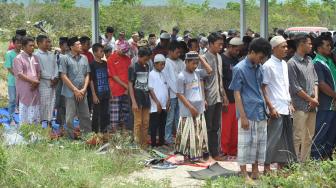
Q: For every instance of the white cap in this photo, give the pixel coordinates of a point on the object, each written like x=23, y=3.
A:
x=159, y=58
x=204, y=40
x=236, y=41
x=165, y=36
x=275, y=41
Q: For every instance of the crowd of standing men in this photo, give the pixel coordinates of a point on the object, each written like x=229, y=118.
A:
x=262, y=101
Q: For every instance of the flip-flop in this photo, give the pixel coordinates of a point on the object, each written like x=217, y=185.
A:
x=164, y=165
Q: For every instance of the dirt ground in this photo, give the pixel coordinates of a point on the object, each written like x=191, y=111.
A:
x=179, y=177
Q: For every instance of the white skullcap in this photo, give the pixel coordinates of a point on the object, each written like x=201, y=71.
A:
x=165, y=36
x=159, y=58
x=236, y=41
x=275, y=41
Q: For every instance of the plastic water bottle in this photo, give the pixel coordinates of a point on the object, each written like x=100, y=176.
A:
x=76, y=123
x=44, y=124
x=55, y=128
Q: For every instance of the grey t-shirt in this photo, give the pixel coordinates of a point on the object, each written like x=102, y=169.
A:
x=189, y=85
x=76, y=68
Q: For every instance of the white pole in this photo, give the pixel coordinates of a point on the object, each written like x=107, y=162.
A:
x=95, y=21
x=264, y=18
x=242, y=18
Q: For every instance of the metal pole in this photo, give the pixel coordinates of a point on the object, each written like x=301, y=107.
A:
x=264, y=18
x=95, y=21
x=242, y=18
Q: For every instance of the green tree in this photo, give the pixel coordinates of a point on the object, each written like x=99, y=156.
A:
x=233, y=6
x=67, y=3
x=126, y=2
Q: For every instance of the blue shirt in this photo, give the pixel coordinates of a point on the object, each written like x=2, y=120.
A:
x=247, y=79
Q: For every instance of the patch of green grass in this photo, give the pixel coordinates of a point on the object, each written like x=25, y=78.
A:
x=67, y=163
x=310, y=174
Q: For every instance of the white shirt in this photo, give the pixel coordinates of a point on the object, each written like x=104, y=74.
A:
x=275, y=76
x=157, y=83
x=171, y=71
x=107, y=42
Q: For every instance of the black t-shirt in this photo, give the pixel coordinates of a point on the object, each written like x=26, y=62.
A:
x=228, y=64
x=99, y=76
x=138, y=74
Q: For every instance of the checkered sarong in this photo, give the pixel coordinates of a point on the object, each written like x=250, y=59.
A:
x=119, y=110
x=29, y=114
x=252, y=142
x=47, y=102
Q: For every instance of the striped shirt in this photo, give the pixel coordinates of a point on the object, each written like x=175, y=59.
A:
x=214, y=82
x=302, y=76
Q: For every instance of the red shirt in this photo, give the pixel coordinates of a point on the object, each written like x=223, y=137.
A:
x=89, y=56
x=118, y=66
x=11, y=46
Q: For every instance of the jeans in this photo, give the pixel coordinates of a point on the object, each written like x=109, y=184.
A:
x=12, y=100
x=172, y=120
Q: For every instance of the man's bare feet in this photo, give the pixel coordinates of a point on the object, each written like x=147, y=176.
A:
x=255, y=171
x=211, y=160
x=219, y=158
x=255, y=175
x=267, y=169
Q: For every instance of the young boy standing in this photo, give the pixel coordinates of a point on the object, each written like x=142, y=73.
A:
x=139, y=93
x=252, y=124
x=27, y=72
x=159, y=100
x=100, y=91
x=9, y=61
x=174, y=65
x=49, y=78
x=191, y=137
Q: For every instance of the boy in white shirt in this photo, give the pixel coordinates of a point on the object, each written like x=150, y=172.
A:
x=159, y=94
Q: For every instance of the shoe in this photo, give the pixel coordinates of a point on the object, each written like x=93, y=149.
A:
x=95, y=140
x=53, y=135
x=106, y=137
x=77, y=134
